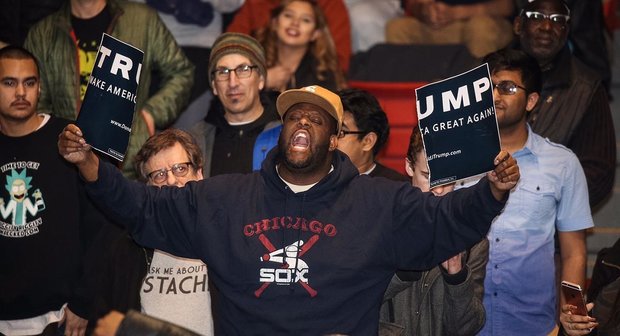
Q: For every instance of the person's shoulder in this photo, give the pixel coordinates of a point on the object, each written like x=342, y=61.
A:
x=554, y=152
x=584, y=73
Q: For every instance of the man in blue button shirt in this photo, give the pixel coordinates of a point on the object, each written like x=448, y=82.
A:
x=520, y=285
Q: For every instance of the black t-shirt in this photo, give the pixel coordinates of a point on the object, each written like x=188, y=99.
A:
x=88, y=35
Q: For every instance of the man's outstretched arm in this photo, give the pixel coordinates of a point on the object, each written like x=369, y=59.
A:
x=73, y=147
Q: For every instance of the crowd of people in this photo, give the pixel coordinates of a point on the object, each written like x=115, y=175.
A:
x=252, y=199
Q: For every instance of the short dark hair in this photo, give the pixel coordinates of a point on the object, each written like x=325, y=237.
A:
x=416, y=145
x=17, y=52
x=164, y=140
x=516, y=60
x=368, y=115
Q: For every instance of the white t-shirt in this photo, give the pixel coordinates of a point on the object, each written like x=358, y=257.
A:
x=176, y=289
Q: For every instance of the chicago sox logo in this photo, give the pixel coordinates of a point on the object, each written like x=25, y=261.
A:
x=293, y=268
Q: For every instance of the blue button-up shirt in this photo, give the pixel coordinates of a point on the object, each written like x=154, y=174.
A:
x=520, y=285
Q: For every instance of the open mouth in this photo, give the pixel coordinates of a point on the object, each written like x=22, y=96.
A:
x=300, y=140
x=292, y=32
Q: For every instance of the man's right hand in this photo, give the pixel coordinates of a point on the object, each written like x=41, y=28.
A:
x=73, y=147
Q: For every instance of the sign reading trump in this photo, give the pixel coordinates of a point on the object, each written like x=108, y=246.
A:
x=459, y=129
x=109, y=104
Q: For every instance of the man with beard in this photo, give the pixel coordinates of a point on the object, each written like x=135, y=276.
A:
x=520, y=287
x=306, y=246
x=574, y=108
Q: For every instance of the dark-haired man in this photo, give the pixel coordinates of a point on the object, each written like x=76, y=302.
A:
x=364, y=131
x=47, y=224
x=520, y=284
x=307, y=245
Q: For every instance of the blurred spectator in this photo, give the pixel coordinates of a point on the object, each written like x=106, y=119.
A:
x=195, y=24
x=299, y=48
x=368, y=19
x=66, y=44
x=137, y=324
x=255, y=14
x=573, y=108
x=483, y=26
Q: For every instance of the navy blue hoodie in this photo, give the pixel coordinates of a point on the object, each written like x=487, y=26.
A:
x=311, y=263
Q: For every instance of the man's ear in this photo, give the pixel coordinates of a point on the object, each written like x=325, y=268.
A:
x=368, y=141
x=261, y=82
x=517, y=25
x=408, y=167
x=333, y=142
x=214, y=88
x=532, y=99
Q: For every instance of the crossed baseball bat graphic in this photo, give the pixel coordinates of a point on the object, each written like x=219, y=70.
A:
x=304, y=248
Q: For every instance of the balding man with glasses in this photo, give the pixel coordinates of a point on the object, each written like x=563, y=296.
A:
x=242, y=124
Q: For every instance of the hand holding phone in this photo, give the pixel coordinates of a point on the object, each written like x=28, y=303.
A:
x=574, y=296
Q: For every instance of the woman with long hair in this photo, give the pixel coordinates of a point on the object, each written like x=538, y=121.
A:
x=299, y=48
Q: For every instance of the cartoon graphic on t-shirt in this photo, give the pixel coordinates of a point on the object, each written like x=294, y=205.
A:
x=87, y=54
x=20, y=204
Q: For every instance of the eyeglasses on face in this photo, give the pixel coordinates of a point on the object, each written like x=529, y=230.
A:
x=242, y=71
x=177, y=169
x=559, y=19
x=344, y=133
x=508, y=87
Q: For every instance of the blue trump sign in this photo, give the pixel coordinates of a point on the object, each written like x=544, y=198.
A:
x=109, y=104
x=459, y=129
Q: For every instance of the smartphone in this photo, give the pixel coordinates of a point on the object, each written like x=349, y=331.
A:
x=574, y=296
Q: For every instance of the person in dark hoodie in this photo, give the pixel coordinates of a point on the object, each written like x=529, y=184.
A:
x=306, y=246
x=241, y=125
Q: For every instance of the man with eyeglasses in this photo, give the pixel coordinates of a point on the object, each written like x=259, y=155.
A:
x=242, y=124
x=365, y=130
x=343, y=235
x=159, y=284
x=520, y=283
x=574, y=109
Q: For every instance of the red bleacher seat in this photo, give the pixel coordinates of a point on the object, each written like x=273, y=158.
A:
x=398, y=101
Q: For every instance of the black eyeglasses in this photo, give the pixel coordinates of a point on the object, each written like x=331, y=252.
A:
x=508, y=87
x=242, y=71
x=344, y=133
x=559, y=19
x=177, y=169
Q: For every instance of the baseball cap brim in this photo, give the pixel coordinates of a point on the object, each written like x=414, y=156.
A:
x=316, y=95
